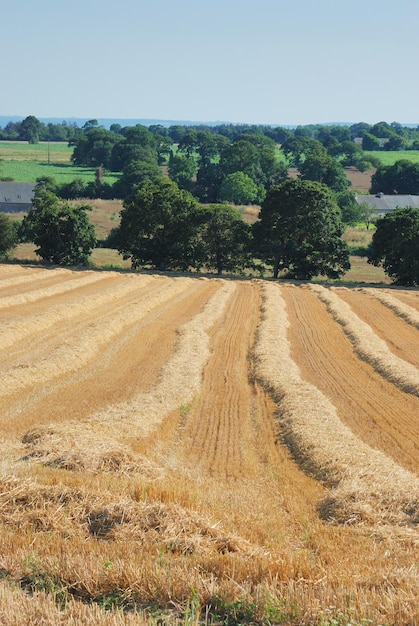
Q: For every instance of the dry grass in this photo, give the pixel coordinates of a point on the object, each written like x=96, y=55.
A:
x=92, y=445
x=104, y=215
x=152, y=479
x=367, y=486
x=368, y=345
x=406, y=312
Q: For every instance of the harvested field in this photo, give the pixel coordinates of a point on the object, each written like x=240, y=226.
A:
x=184, y=450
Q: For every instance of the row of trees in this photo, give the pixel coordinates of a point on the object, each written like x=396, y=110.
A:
x=164, y=227
x=398, y=136
x=217, y=168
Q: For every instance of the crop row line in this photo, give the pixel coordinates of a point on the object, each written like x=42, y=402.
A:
x=70, y=355
x=52, y=290
x=20, y=329
x=94, y=442
x=406, y=312
x=367, y=345
x=366, y=485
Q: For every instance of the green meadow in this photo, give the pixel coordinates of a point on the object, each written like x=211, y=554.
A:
x=25, y=162
x=390, y=157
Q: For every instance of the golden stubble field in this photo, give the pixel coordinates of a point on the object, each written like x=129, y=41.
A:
x=193, y=450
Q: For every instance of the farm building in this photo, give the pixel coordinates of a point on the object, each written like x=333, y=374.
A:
x=384, y=204
x=16, y=197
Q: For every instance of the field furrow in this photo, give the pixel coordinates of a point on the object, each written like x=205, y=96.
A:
x=56, y=355
x=401, y=338
x=216, y=434
x=408, y=313
x=367, y=485
x=194, y=450
x=408, y=297
x=80, y=305
x=368, y=345
x=49, y=285
x=97, y=435
x=375, y=410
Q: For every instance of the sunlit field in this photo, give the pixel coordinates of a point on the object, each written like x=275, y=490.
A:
x=23, y=162
x=185, y=450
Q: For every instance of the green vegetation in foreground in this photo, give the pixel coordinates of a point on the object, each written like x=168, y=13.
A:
x=391, y=156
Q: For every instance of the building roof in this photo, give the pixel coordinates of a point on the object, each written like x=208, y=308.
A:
x=383, y=204
x=16, y=193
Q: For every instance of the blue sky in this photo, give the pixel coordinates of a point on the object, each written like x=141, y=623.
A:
x=242, y=61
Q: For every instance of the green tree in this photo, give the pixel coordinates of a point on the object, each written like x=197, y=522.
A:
x=30, y=129
x=239, y=188
x=224, y=239
x=63, y=233
x=135, y=174
x=208, y=182
x=297, y=149
x=241, y=156
x=367, y=214
x=300, y=230
x=189, y=143
x=402, y=177
x=395, y=245
x=159, y=227
x=135, y=144
x=324, y=169
x=209, y=146
x=350, y=210
x=370, y=142
x=8, y=236
x=94, y=147
x=181, y=170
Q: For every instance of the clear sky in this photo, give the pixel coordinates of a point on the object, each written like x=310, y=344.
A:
x=241, y=61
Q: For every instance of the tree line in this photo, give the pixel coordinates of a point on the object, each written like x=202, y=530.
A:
x=187, y=221
x=397, y=136
x=162, y=227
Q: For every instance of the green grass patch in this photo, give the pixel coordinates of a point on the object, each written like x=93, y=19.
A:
x=25, y=163
x=389, y=157
x=23, y=151
x=30, y=171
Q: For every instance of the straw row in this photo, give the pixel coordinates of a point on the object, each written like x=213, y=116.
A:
x=72, y=353
x=368, y=345
x=406, y=312
x=366, y=484
x=179, y=380
x=92, y=444
x=31, y=276
x=20, y=329
x=84, y=278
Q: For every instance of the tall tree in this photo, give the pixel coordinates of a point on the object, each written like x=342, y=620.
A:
x=182, y=170
x=224, y=239
x=239, y=188
x=400, y=178
x=63, y=233
x=94, y=147
x=300, y=231
x=134, y=175
x=325, y=169
x=30, y=129
x=159, y=226
x=8, y=236
x=395, y=245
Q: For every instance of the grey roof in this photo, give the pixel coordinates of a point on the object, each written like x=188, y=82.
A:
x=16, y=193
x=383, y=204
